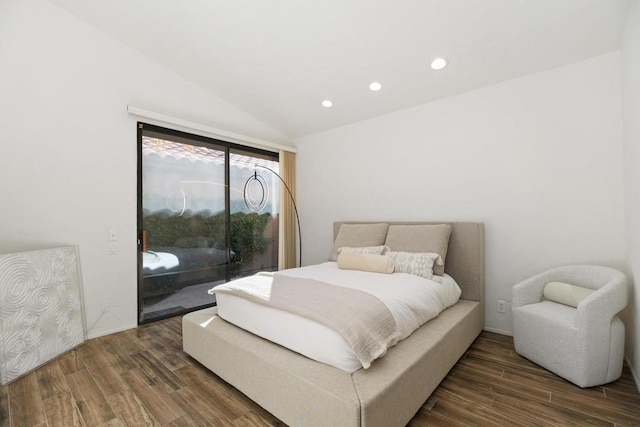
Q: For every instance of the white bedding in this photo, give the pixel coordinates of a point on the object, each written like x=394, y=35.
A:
x=412, y=300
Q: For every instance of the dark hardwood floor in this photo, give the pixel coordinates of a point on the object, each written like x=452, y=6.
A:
x=141, y=377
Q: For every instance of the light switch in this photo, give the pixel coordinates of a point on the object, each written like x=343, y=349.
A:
x=113, y=235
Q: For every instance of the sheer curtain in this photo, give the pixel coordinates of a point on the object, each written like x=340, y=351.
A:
x=287, y=250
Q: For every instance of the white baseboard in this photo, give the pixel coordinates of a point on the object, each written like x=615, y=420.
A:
x=109, y=332
x=498, y=331
x=635, y=376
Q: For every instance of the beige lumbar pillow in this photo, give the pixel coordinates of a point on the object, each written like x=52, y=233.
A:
x=565, y=293
x=365, y=262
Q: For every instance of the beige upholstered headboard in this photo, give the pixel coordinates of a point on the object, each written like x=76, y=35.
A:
x=465, y=256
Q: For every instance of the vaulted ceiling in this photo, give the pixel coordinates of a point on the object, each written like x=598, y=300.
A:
x=278, y=60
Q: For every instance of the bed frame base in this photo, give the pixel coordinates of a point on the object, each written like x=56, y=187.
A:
x=303, y=392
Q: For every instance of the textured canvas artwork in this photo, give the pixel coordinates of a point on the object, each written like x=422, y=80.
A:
x=41, y=309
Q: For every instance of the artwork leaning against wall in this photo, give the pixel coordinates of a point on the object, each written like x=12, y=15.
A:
x=195, y=228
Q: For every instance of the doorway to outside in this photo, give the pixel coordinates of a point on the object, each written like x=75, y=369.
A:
x=194, y=226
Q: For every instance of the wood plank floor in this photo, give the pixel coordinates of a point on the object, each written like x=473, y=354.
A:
x=141, y=377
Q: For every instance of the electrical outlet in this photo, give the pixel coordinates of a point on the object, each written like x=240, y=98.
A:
x=502, y=306
x=105, y=307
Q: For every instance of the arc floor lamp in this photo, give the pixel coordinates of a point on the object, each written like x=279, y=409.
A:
x=257, y=204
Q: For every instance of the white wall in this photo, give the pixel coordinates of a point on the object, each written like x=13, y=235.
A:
x=68, y=159
x=631, y=111
x=537, y=159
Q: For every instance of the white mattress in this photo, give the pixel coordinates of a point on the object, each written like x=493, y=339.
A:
x=412, y=300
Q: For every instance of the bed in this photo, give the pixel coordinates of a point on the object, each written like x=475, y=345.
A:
x=301, y=391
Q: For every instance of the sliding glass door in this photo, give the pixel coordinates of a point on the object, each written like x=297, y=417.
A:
x=194, y=232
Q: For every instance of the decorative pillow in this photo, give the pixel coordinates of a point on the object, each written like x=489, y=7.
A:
x=368, y=250
x=424, y=238
x=420, y=264
x=365, y=262
x=565, y=293
x=359, y=235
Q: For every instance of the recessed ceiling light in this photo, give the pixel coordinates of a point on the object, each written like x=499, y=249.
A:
x=327, y=104
x=438, y=63
x=375, y=86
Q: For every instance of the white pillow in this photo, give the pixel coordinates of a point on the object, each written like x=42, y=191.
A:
x=565, y=293
x=365, y=262
x=417, y=263
x=367, y=250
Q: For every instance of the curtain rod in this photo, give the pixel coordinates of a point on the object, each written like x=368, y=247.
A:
x=219, y=133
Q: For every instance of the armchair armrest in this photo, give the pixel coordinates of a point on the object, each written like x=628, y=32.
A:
x=594, y=319
x=603, y=304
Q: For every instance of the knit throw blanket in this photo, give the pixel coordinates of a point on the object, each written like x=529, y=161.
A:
x=360, y=318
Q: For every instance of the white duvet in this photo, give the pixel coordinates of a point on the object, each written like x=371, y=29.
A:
x=412, y=300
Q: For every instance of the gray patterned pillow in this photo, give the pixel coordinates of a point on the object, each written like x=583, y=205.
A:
x=418, y=263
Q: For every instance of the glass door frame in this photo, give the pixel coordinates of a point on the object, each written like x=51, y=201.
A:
x=206, y=142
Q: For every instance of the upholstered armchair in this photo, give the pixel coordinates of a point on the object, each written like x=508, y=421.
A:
x=584, y=344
